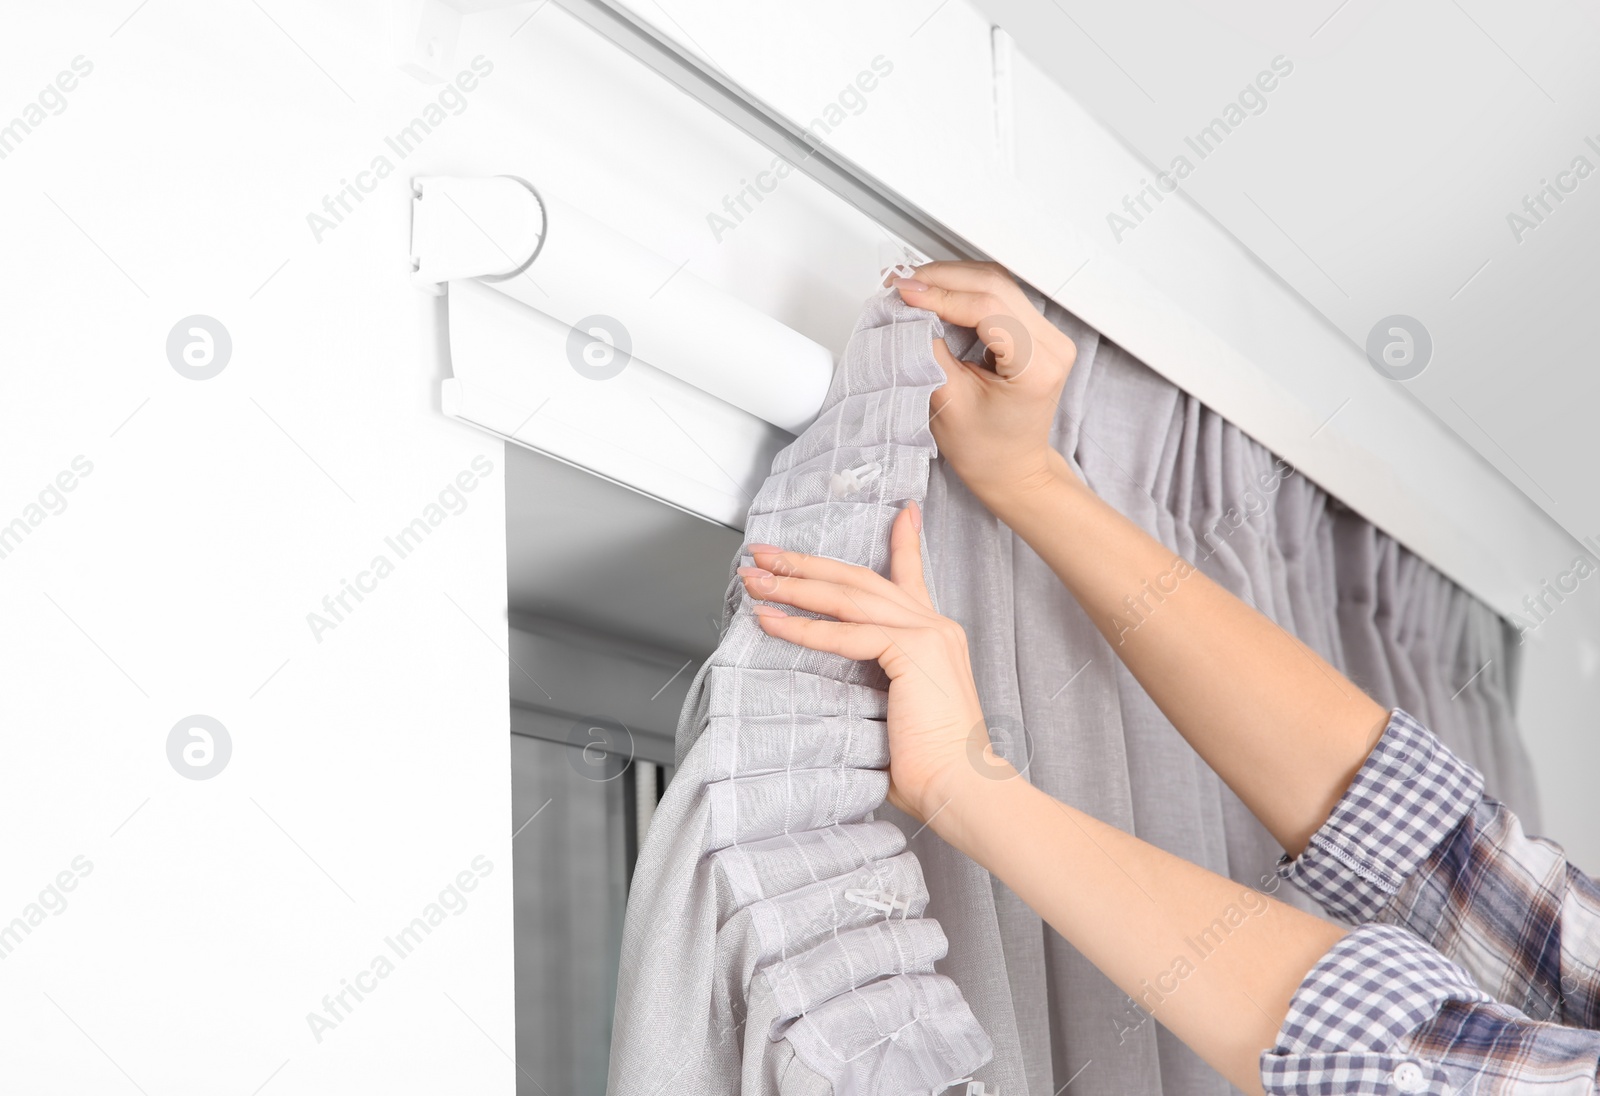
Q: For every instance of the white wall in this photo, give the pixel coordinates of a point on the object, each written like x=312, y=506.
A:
x=369, y=766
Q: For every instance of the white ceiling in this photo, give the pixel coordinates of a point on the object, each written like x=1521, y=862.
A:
x=1378, y=175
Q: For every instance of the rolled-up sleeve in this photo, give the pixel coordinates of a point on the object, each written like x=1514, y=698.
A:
x=1414, y=842
x=1382, y=1012
x=1410, y=794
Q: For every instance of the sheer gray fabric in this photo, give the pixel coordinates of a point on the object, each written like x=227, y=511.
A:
x=1059, y=704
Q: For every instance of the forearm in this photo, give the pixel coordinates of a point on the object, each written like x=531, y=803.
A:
x=1215, y=962
x=1285, y=730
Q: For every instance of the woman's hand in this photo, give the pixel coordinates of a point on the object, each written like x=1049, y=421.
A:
x=937, y=736
x=993, y=427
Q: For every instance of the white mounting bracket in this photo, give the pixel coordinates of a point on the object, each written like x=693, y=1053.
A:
x=487, y=227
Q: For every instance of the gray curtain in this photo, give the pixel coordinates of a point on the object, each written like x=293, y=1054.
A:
x=1055, y=692
x=568, y=866
x=792, y=739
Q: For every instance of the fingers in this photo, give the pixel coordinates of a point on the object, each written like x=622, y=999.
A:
x=862, y=642
x=959, y=376
x=800, y=565
x=905, y=554
x=963, y=275
x=1003, y=327
x=962, y=307
x=1009, y=343
x=849, y=604
x=983, y=296
x=844, y=591
x=967, y=282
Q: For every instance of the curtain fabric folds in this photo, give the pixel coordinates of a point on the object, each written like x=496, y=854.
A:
x=775, y=938
x=790, y=932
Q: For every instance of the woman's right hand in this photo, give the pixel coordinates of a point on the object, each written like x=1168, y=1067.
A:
x=993, y=427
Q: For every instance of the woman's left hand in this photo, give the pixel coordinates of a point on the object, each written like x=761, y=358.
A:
x=937, y=736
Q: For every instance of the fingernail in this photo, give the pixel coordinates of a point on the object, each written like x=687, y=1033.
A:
x=754, y=572
x=916, y=516
x=911, y=284
x=767, y=611
x=764, y=548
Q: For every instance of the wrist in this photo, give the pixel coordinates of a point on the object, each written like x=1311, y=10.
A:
x=1021, y=490
x=969, y=807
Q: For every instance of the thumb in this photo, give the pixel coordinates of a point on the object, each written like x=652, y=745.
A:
x=961, y=379
x=905, y=554
x=1008, y=342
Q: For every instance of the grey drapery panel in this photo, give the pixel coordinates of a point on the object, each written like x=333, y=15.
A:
x=1060, y=703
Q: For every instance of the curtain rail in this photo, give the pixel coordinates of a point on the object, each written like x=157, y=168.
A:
x=838, y=174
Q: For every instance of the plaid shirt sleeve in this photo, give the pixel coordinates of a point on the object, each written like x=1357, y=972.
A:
x=1382, y=1012
x=1415, y=843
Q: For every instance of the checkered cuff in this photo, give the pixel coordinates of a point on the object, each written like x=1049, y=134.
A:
x=1347, y=1021
x=1410, y=795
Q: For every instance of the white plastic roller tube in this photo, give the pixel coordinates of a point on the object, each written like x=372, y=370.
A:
x=622, y=300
